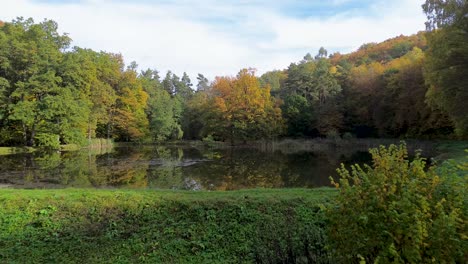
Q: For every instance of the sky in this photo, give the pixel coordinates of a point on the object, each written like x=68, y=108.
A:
x=220, y=37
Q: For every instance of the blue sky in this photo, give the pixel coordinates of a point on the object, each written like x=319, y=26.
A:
x=216, y=37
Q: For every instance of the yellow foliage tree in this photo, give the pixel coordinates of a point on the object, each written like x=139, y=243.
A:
x=242, y=110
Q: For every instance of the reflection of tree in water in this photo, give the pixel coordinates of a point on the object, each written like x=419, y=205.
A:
x=123, y=168
x=84, y=169
x=165, y=169
x=313, y=169
x=172, y=167
x=238, y=169
x=162, y=170
x=74, y=169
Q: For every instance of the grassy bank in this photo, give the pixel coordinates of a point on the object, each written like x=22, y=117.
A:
x=109, y=226
x=93, y=144
x=455, y=150
x=15, y=150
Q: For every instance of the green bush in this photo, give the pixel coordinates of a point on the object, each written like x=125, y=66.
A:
x=398, y=212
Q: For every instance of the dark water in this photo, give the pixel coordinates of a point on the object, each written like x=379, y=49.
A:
x=163, y=167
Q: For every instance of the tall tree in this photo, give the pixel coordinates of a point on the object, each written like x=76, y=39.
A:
x=40, y=106
x=411, y=116
x=203, y=83
x=241, y=109
x=164, y=114
x=316, y=82
x=447, y=59
x=275, y=79
x=104, y=92
x=322, y=53
x=168, y=84
x=183, y=88
x=130, y=118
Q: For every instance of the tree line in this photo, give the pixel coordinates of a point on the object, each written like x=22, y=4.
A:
x=52, y=93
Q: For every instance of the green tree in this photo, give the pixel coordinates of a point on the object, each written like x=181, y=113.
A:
x=184, y=87
x=168, y=83
x=298, y=116
x=203, y=83
x=316, y=81
x=164, y=116
x=322, y=54
x=195, y=116
x=275, y=79
x=447, y=59
x=41, y=106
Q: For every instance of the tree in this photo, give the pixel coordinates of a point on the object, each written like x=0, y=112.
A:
x=316, y=82
x=130, y=118
x=203, y=83
x=322, y=54
x=168, y=84
x=104, y=92
x=275, y=79
x=40, y=106
x=164, y=113
x=183, y=88
x=240, y=108
x=298, y=116
x=411, y=117
x=443, y=13
x=194, y=116
x=447, y=59
x=364, y=83
x=308, y=57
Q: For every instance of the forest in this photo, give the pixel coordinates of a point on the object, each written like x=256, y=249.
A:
x=53, y=93
x=205, y=201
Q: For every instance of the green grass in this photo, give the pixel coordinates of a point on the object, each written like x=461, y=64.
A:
x=14, y=150
x=454, y=150
x=123, y=226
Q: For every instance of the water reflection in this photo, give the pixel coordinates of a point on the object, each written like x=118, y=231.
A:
x=164, y=167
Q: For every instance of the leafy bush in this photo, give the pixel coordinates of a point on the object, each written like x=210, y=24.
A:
x=397, y=211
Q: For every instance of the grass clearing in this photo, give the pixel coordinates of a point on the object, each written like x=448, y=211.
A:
x=124, y=226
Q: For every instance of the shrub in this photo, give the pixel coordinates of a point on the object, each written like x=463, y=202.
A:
x=398, y=212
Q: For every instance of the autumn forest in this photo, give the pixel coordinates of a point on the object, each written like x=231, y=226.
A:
x=52, y=93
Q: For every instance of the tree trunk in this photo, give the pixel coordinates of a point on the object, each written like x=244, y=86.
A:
x=33, y=135
x=25, y=134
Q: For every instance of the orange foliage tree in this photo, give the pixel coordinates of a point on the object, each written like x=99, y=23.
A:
x=241, y=110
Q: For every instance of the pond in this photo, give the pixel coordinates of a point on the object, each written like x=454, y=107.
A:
x=179, y=167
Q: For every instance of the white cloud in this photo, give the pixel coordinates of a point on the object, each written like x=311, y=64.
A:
x=213, y=38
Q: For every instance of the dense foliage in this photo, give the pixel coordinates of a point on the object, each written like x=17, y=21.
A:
x=447, y=63
x=397, y=212
x=405, y=87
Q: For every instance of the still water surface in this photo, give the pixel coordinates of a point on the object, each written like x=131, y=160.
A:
x=176, y=167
